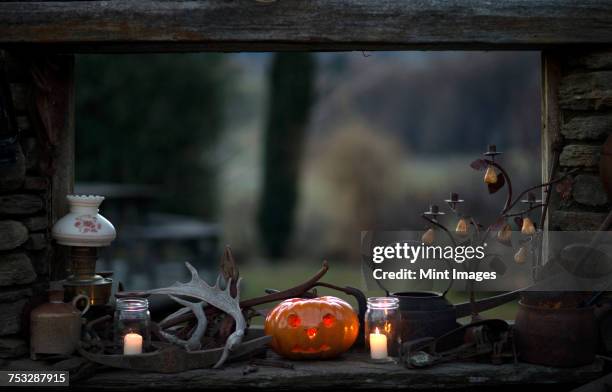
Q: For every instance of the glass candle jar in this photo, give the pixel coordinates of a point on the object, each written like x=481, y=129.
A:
x=382, y=322
x=132, y=325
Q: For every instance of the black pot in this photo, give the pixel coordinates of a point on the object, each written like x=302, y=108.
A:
x=425, y=314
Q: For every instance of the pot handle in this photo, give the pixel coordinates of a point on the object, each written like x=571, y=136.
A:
x=79, y=297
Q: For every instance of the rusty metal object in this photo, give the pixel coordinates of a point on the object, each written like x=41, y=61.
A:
x=427, y=314
x=55, y=327
x=481, y=338
x=229, y=269
x=556, y=336
x=169, y=358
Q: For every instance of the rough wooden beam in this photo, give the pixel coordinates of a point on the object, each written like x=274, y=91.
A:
x=351, y=371
x=236, y=25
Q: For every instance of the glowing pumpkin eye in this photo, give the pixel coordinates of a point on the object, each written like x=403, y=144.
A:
x=294, y=321
x=329, y=320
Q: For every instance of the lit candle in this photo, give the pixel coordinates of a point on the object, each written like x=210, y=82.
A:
x=378, y=345
x=132, y=344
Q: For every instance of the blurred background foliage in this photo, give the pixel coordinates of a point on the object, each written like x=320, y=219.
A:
x=152, y=119
x=377, y=138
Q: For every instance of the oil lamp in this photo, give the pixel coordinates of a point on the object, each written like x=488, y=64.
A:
x=85, y=230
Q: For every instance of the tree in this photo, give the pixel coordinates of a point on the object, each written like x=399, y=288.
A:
x=291, y=96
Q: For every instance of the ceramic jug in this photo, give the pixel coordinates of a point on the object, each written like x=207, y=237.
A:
x=55, y=327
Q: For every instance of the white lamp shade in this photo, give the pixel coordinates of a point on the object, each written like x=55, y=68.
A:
x=83, y=225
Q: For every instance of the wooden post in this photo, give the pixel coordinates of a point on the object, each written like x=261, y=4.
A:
x=53, y=94
x=63, y=175
x=551, y=76
x=551, y=133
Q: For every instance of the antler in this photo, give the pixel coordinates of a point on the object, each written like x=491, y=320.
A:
x=214, y=296
x=195, y=341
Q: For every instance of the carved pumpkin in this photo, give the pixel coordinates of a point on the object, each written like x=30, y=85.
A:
x=317, y=328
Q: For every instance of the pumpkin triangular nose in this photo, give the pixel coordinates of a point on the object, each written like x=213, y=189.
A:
x=311, y=332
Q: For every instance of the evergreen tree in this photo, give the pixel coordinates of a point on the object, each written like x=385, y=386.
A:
x=291, y=95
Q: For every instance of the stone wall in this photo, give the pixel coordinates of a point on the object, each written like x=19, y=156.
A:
x=584, y=112
x=25, y=214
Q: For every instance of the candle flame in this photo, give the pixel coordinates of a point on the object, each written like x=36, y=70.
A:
x=376, y=331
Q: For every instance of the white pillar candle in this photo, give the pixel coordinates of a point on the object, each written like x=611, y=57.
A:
x=132, y=344
x=378, y=345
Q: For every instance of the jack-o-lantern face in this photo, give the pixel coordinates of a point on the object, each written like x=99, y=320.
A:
x=321, y=327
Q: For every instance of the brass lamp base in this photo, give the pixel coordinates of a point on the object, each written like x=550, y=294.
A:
x=98, y=291
x=84, y=279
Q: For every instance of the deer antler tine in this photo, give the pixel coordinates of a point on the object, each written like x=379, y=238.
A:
x=179, y=312
x=238, y=289
x=194, y=272
x=218, y=281
x=181, y=301
x=195, y=341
